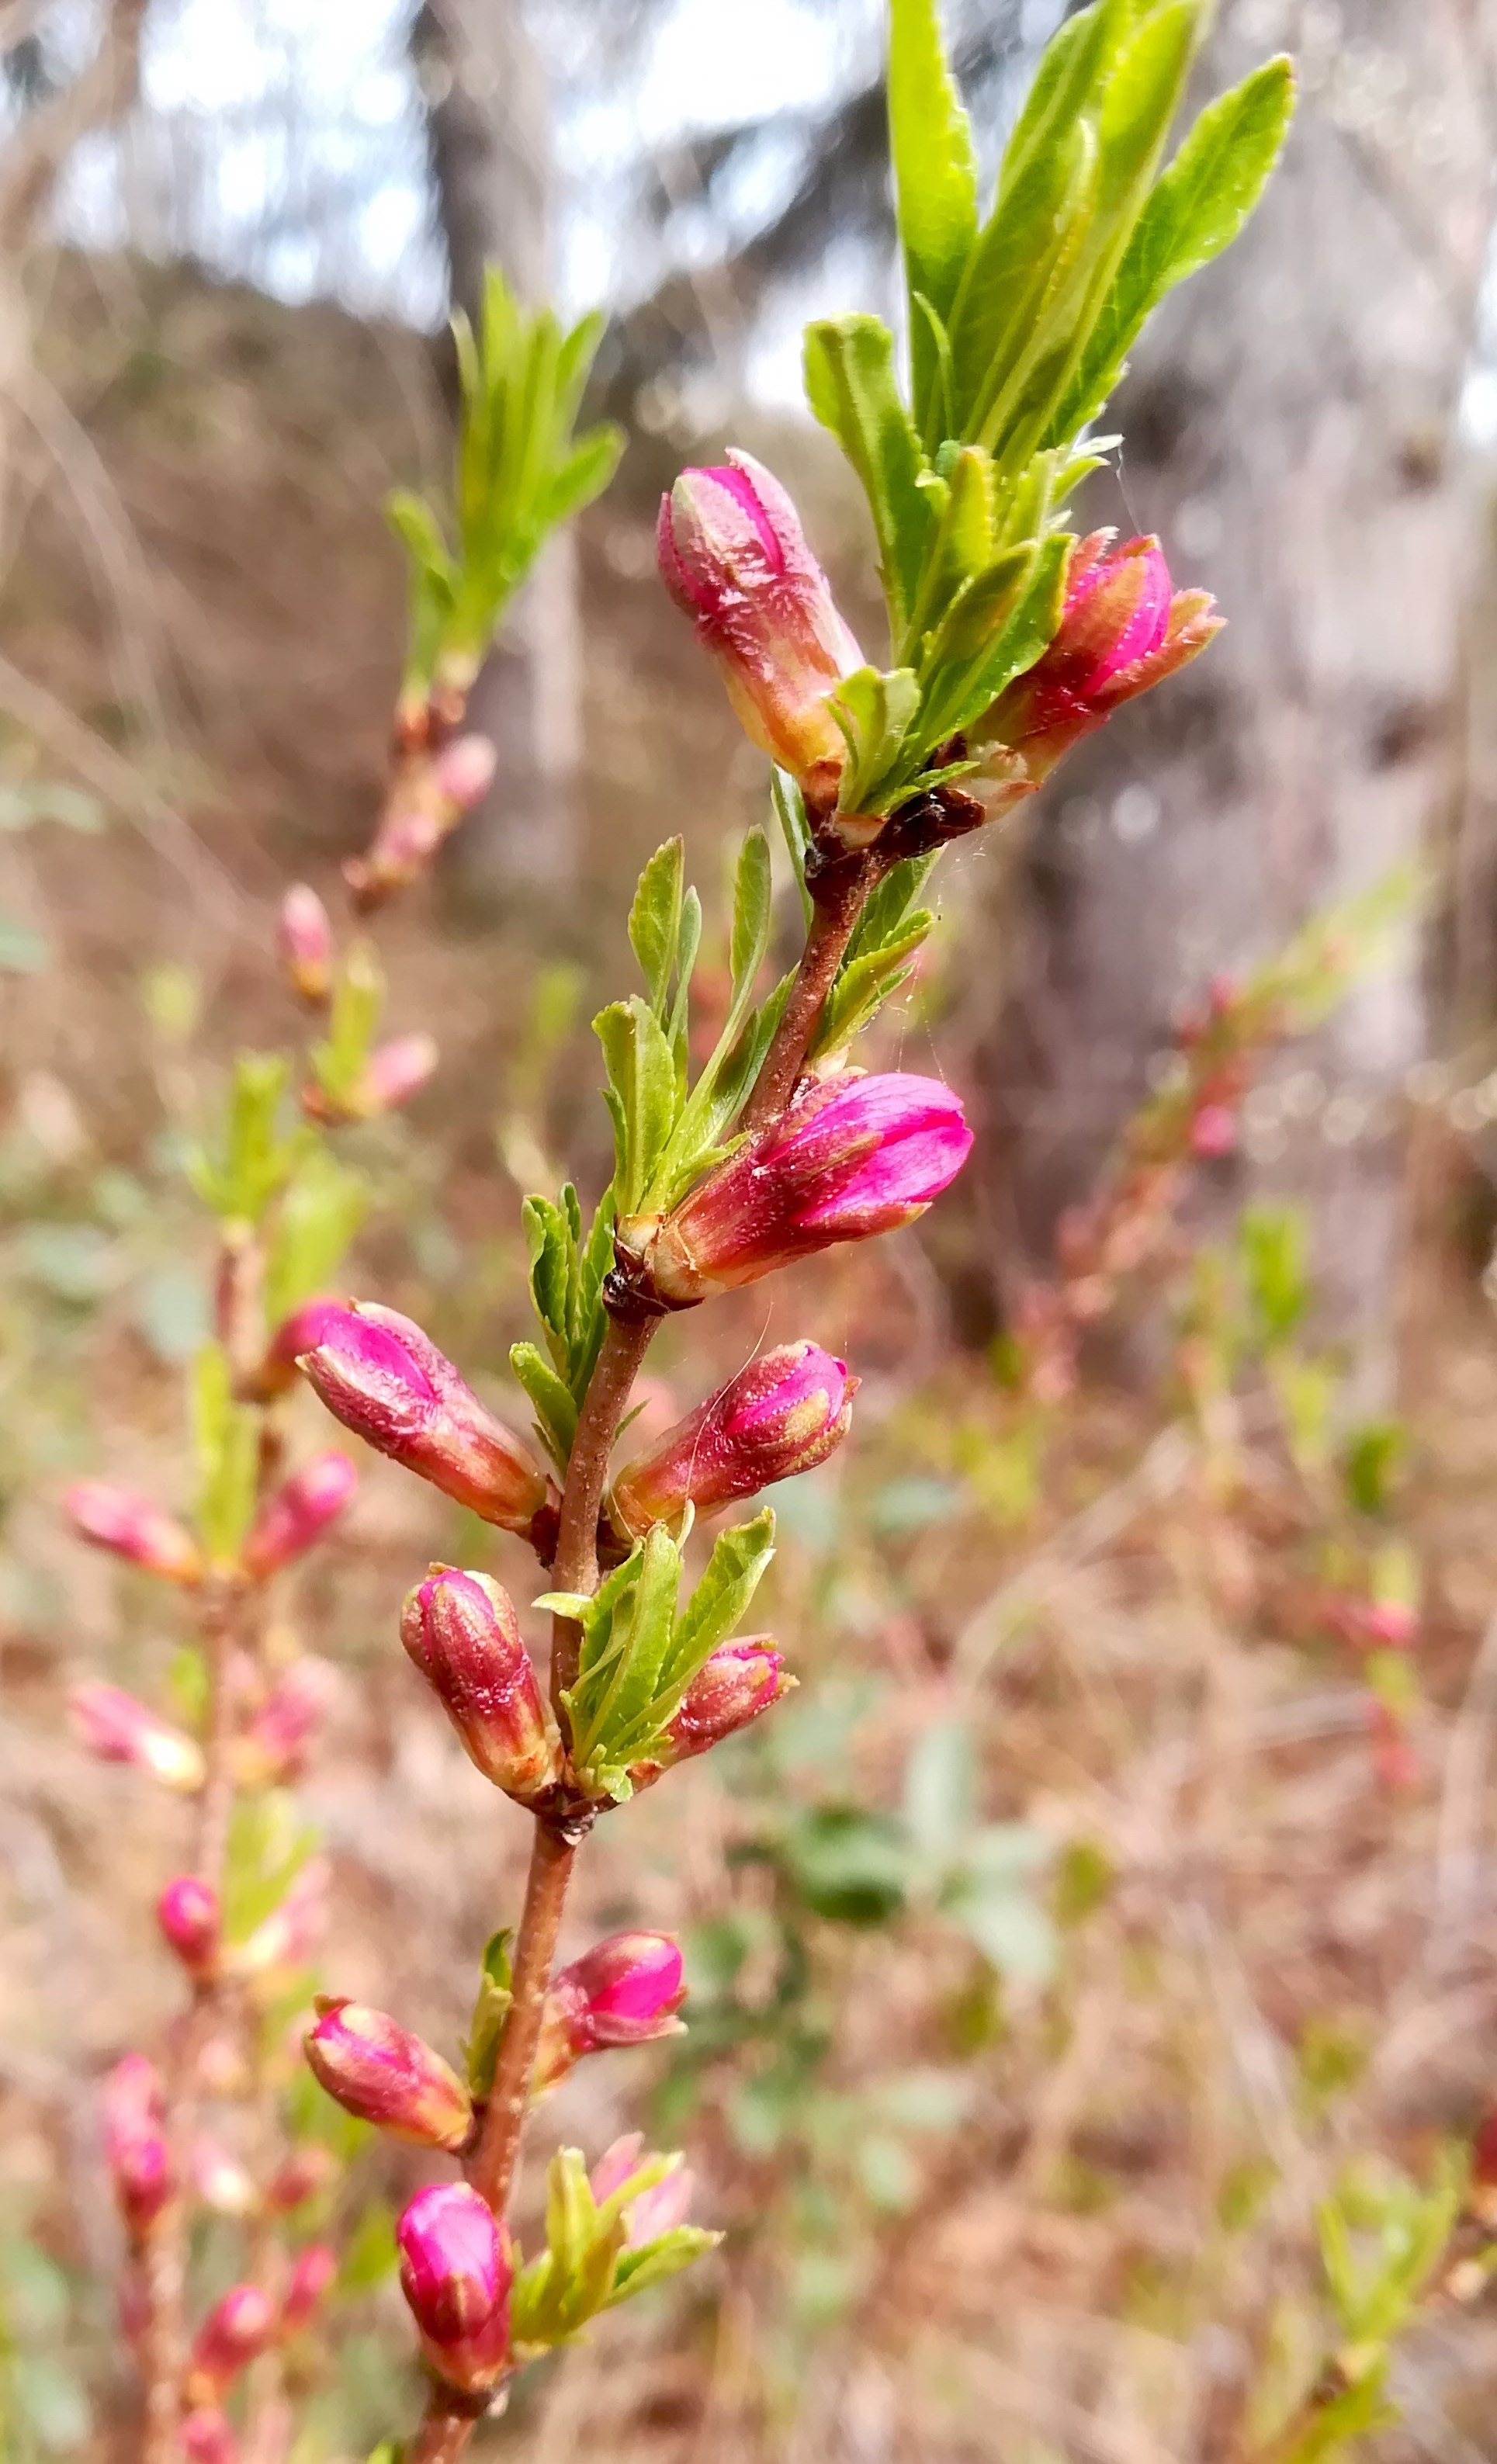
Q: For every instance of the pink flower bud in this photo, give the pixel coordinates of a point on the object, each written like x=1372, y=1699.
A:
x=740, y=1680
x=848, y=1159
x=189, y=1916
x=463, y=772
x=455, y=2272
x=274, y=1746
x=205, y=2437
x=380, y=2071
x=135, y=2144
x=1390, y=1625
x=119, y=1729
x=734, y=557
x=235, y=2334
x=1213, y=1132
x=461, y=1632
x=301, y=1331
x=303, y=2175
x=304, y=940
x=221, y=2181
x=1123, y=629
x=311, y=2276
x=784, y=1413
x=624, y=1992
x=300, y=1512
x=121, y=1520
x=386, y=1380
x=652, y=2211
x=396, y=1072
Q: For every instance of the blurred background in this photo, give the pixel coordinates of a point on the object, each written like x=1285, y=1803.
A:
x=1124, y=1868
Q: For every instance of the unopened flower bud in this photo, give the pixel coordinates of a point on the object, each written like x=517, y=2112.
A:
x=302, y=2175
x=654, y=2211
x=188, y=1913
x=236, y=2332
x=734, y=558
x=461, y=1631
x=301, y=1331
x=300, y=1512
x=274, y=1746
x=784, y=1413
x=119, y=1729
x=121, y=1520
x=385, y=1379
x=304, y=939
x=378, y=2070
x=626, y=1990
x=859, y=1156
x=1213, y=1132
x=206, y=2436
x=463, y=772
x=135, y=2144
x=311, y=2276
x=1124, y=628
x=455, y=2272
x=396, y=1072
x=740, y=1680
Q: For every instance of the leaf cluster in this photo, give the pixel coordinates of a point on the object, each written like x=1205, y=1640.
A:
x=588, y=2265
x=640, y=1649
x=1020, y=326
x=521, y=471
x=566, y=1276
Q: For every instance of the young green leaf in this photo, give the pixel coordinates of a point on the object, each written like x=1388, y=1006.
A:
x=555, y=1405
x=734, y=1570
x=643, y=1083
x=874, y=713
x=751, y=896
x=655, y=919
x=935, y=182
x=1195, y=211
x=321, y=1210
x=850, y=386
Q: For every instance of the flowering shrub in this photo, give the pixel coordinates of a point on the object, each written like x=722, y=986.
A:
x=1010, y=639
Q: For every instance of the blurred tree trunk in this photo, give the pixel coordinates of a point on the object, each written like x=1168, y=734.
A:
x=1291, y=430
x=489, y=127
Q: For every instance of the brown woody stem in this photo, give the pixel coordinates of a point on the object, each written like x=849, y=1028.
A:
x=838, y=900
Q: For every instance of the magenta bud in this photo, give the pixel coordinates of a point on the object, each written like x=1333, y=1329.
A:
x=626, y=1990
x=734, y=558
x=652, y=2211
x=385, y=1379
x=302, y=2175
x=784, y=1413
x=188, y=1914
x=206, y=2436
x=301, y=1331
x=300, y=1512
x=236, y=2332
x=304, y=941
x=311, y=2277
x=455, y=2272
x=396, y=1072
x=274, y=1746
x=738, y=1682
x=119, y=1729
x=1124, y=628
x=463, y=772
x=121, y=1520
x=461, y=1632
x=848, y=1159
x=1213, y=1132
x=135, y=2144
x=380, y=2071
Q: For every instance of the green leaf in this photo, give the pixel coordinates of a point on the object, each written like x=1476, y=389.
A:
x=864, y=984
x=751, y=898
x=370, y=2255
x=607, y=1716
x=643, y=1081
x=655, y=919
x=339, y=1061
x=940, y=1789
x=962, y=687
x=268, y=1846
x=936, y=178
x=226, y=1444
x=790, y=812
x=851, y=388
x=555, y=1405
x=734, y=1572
x=1196, y=211
x=491, y=2009
x=655, y=2262
x=874, y=712
x=847, y=1865
x=1037, y=228
x=321, y=1209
